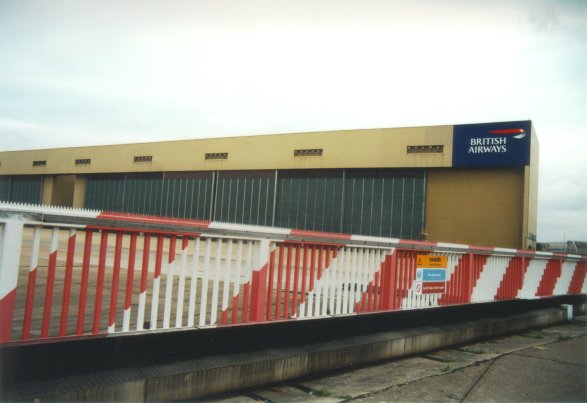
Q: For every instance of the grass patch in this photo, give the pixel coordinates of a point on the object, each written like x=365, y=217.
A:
x=320, y=392
x=563, y=337
x=475, y=351
x=445, y=369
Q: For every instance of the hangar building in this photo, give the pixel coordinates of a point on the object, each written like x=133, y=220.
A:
x=473, y=183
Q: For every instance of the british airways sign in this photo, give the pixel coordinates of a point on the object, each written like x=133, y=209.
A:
x=502, y=144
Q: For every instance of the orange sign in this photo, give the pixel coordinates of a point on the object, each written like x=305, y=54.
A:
x=431, y=261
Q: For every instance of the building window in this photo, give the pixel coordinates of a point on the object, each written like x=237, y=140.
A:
x=39, y=163
x=425, y=149
x=313, y=152
x=83, y=161
x=143, y=158
x=216, y=156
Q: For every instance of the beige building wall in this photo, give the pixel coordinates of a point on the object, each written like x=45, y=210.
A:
x=475, y=206
x=63, y=190
x=47, y=193
x=369, y=148
x=79, y=191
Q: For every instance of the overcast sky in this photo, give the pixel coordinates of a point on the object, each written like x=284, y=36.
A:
x=78, y=73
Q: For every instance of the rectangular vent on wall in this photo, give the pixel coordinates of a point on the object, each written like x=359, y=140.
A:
x=143, y=158
x=425, y=149
x=83, y=161
x=313, y=152
x=216, y=156
x=39, y=163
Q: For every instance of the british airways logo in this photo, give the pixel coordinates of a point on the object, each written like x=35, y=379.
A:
x=497, y=142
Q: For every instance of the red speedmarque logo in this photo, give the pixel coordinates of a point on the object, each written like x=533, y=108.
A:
x=516, y=133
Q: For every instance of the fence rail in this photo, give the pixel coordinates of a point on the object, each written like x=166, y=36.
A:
x=72, y=273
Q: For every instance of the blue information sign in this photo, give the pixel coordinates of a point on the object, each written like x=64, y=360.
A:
x=431, y=275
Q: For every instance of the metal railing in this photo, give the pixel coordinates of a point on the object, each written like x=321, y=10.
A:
x=73, y=273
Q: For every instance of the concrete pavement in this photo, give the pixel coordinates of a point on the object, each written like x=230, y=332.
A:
x=539, y=365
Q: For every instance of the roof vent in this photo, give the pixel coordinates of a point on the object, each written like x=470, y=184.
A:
x=313, y=152
x=216, y=156
x=439, y=148
x=143, y=158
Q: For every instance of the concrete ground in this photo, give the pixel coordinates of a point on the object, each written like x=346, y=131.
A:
x=541, y=365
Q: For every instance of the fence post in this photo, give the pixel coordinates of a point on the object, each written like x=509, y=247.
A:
x=11, y=232
x=259, y=280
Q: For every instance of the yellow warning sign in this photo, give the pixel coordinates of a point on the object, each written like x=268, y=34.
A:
x=431, y=261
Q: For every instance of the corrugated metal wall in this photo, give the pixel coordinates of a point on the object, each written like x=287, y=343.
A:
x=105, y=192
x=384, y=202
x=180, y=194
x=21, y=189
x=5, y=188
x=310, y=199
x=245, y=197
x=187, y=195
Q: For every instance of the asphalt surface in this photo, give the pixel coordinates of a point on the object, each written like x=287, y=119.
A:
x=540, y=365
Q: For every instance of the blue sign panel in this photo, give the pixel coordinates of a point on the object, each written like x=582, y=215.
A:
x=501, y=144
x=434, y=275
x=431, y=275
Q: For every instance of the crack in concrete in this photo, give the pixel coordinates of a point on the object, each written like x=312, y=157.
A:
x=478, y=380
x=550, y=360
x=415, y=380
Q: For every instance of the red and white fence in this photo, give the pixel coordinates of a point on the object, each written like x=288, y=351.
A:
x=70, y=273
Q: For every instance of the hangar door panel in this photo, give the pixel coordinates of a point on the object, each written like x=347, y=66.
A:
x=143, y=193
x=310, y=200
x=21, y=189
x=181, y=195
x=245, y=197
x=104, y=192
x=4, y=188
x=388, y=203
x=187, y=195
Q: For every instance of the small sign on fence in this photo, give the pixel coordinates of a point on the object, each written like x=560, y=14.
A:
x=430, y=274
